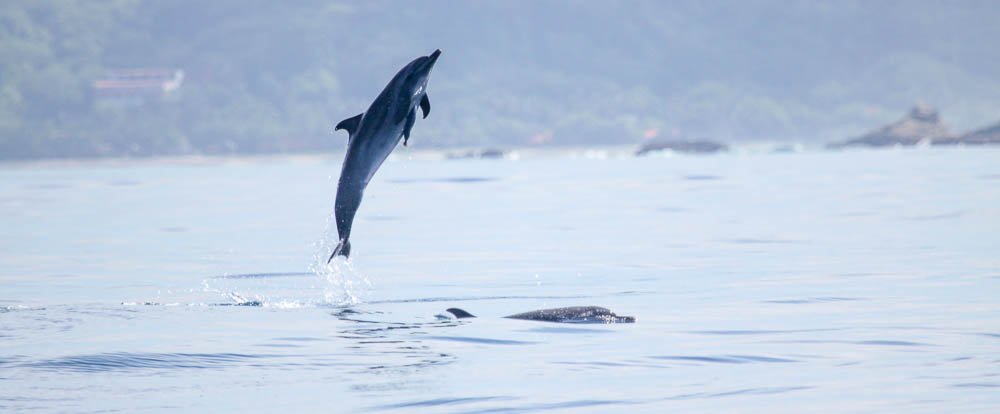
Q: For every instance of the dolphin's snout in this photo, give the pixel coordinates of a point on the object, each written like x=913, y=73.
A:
x=433, y=58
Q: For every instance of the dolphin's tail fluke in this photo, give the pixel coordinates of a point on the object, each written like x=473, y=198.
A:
x=343, y=249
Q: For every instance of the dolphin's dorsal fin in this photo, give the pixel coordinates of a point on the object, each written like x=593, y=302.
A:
x=410, y=119
x=459, y=313
x=425, y=105
x=350, y=124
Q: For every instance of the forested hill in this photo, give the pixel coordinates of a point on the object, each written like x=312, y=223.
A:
x=146, y=77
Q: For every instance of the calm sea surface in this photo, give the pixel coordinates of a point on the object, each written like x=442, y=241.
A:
x=841, y=282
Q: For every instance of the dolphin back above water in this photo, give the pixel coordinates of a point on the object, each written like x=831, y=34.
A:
x=573, y=314
x=373, y=134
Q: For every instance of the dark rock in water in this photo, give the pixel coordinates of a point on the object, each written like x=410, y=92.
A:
x=488, y=153
x=922, y=124
x=986, y=136
x=694, y=147
x=573, y=314
x=250, y=303
x=786, y=149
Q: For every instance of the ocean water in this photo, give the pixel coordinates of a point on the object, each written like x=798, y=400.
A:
x=841, y=282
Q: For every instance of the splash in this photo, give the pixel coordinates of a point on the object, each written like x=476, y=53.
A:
x=335, y=284
x=345, y=285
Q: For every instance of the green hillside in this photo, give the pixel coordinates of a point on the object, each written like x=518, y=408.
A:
x=265, y=76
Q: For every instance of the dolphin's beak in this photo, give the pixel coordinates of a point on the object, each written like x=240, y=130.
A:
x=432, y=59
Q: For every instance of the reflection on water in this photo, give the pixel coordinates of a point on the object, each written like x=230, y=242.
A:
x=725, y=359
x=456, y=180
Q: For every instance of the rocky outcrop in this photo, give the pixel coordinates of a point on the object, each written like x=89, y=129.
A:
x=696, y=147
x=486, y=154
x=921, y=125
x=986, y=136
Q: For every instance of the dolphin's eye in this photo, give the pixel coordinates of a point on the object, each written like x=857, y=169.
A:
x=419, y=89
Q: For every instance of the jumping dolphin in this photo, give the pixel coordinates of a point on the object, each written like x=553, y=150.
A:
x=573, y=314
x=373, y=134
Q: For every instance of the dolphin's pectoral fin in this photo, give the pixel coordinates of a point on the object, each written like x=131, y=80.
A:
x=350, y=124
x=425, y=105
x=410, y=119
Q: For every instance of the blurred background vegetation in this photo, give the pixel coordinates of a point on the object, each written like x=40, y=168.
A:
x=268, y=76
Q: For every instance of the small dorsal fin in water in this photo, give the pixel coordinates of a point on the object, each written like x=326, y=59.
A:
x=459, y=313
x=350, y=124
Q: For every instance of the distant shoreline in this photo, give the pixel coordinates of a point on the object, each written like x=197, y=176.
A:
x=433, y=154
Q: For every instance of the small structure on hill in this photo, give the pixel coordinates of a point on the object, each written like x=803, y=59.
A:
x=921, y=125
x=137, y=85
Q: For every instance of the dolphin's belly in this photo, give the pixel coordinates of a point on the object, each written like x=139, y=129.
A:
x=366, y=156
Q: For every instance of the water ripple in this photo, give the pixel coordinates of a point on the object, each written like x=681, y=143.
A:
x=890, y=343
x=119, y=361
x=821, y=299
x=551, y=406
x=560, y=330
x=456, y=180
x=876, y=342
x=436, y=402
x=10, y=360
x=745, y=391
x=761, y=331
x=976, y=385
x=751, y=240
x=725, y=359
x=487, y=341
x=608, y=364
x=300, y=339
x=932, y=217
x=390, y=345
x=472, y=298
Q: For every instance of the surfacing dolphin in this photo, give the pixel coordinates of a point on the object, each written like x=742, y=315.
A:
x=373, y=134
x=573, y=314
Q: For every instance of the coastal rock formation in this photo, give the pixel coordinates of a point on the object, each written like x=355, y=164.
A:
x=696, y=147
x=488, y=154
x=986, y=136
x=922, y=124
